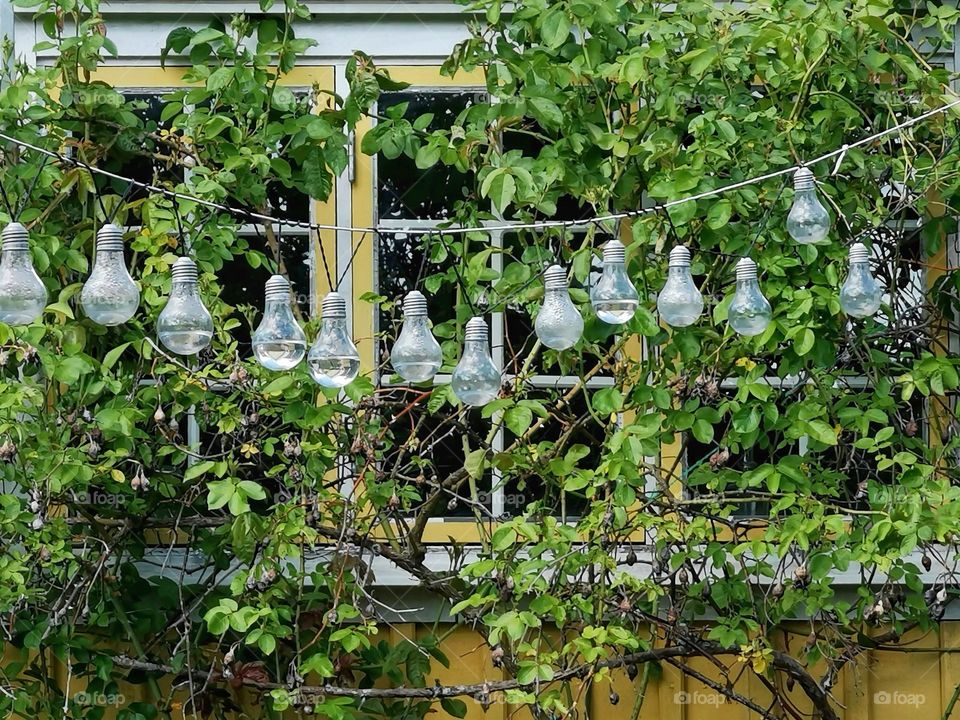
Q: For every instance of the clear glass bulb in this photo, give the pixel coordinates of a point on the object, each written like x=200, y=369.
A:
x=679, y=302
x=23, y=295
x=110, y=296
x=614, y=298
x=559, y=324
x=333, y=359
x=808, y=221
x=184, y=326
x=476, y=380
x=279, y=342
x=749, y=312
x=416, y=356
x=861, y=294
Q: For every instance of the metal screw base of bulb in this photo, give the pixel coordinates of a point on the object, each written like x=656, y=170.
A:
x=184, y=271
x=110, y=239
x=277, y=288
x=555, y=278
x=746, y=269
x=803, y=179
x=334, y=306
x=476, y=329
x=415, y=304
x=15, y=238
x=614, y=252
x=680, y=257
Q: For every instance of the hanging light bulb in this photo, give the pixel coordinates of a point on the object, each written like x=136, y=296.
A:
x=23, y=295
x=416, y=356
x=476, y=380
x=749, y=312
x=559, y=324
x=808, y=221
x=614, y=298
x=184, y=326
x=279, y=342
x=110, y=296
x=861, y=294
x=333, y=359
x=680, y=302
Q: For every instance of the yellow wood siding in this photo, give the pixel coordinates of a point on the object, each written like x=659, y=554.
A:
x=879, y=685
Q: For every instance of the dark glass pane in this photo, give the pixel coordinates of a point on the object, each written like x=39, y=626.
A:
x=847, y=469
x=429, y=447
x=242, y=284
x=519, y=316
x=133, y=146
x=529, y=487
x=406, y=192
x=714, y=467
x=525, y=140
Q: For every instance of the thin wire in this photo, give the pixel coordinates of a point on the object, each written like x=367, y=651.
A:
x=423, y=262
x=98, y=196
x=456, y=271
x=120, y=202
x=33, y=185
x=352, y=256
x=766, y=217
x=539, y=225
x=184, y=245
x=326, y=266
x=6, y=201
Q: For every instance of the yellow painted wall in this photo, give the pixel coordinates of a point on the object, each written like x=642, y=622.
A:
x=880, y=685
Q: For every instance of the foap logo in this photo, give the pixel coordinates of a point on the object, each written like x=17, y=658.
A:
x=698, y=697
x=99, y=699
x=896, y=697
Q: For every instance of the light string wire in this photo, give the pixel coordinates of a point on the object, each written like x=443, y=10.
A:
x=533, y=225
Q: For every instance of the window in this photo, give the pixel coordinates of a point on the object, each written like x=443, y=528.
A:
x=842, y=471
x=410, y=203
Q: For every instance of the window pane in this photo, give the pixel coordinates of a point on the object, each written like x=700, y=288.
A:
x=406, y=192
x=519, y=335
x=242, y=284
x=147, y=106
x=582, y=438
x=424, y=449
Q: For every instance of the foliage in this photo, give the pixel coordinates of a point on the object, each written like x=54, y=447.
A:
x=824, y=447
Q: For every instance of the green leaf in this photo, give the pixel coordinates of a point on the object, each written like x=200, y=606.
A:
x=500, y=187
x=804, y=341
x=110, y=359
x=819, y=430
x=702, y=431
x=220, y=78
x=219, y=493
x=475, y=462
x=452, y=706
x=197, y=469
x=607, y=401
x=518, y=419
x=555, y=26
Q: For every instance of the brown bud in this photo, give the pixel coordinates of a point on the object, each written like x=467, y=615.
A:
x=632, y=671
x=496, y=656
x=926, y=562
x=614, y=698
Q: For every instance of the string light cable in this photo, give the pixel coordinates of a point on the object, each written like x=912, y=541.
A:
x=533, y=225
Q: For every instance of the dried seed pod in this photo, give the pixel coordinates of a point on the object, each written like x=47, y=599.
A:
x=159, y=416
x=632, y=671
x=496, y=656
x=926, y=562
x=614, y=697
